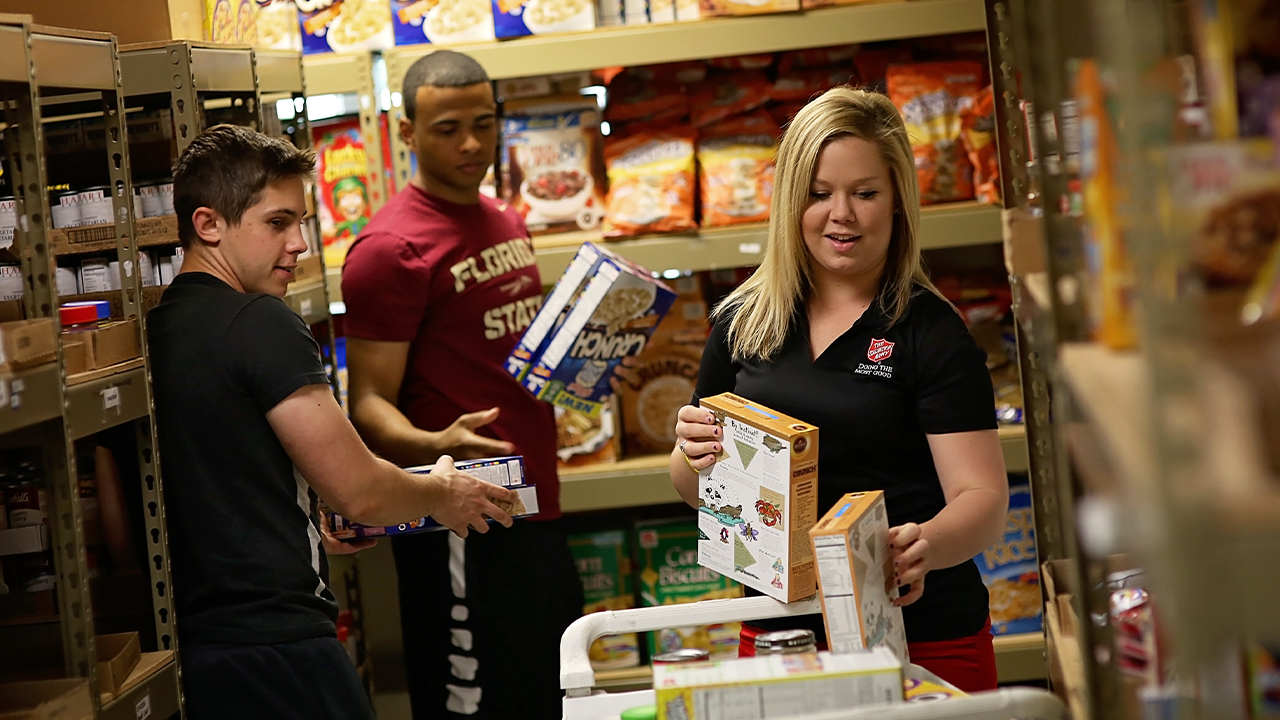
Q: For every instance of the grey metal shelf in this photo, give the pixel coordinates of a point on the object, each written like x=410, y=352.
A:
x=30, y=397
x=101, y=404
x=279, y=71
x=148, y=68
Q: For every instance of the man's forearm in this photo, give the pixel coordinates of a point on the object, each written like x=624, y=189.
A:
x=391, y=496
x=390, y=434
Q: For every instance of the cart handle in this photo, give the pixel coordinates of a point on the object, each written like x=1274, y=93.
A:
x=576, y=676
x=1021, y=703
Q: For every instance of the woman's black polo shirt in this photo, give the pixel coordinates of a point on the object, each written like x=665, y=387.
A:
x=874, y=394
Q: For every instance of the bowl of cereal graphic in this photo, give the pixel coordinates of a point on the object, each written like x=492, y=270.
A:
x=557, y=194
x=459, y=21
x=362, y=26
x=553, y=16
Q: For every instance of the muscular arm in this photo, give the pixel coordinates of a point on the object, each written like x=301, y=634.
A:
x=375, y=371
x=359, y=485
x=971, y=468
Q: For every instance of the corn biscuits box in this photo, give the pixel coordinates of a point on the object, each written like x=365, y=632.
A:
x=758, y=501
x=604, y=567
x=505, y=471
x=855, y=576
x=612, y=319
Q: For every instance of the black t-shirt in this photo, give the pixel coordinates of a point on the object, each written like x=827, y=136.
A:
x=874, y=394
x=248, y=567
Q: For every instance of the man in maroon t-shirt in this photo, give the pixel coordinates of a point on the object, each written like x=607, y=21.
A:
x=439, y=288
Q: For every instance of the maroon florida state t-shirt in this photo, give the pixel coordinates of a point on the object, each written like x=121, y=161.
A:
x=459, y=284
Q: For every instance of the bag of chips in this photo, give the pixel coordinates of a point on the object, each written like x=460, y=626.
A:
x=635, y=100
x=762, y=61
x=978, y=133
x=804, y=85
x=784, y=113
x=683, y=73
x=651, y=182
x=816, y=57
x=727, y=95
x=735, y=169
x=931, y=98
x=873, y=61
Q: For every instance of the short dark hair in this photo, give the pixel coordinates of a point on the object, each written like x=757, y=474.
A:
x=227, y=167
x=442, y=69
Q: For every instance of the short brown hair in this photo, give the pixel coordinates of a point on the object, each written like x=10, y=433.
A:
x=226, y=168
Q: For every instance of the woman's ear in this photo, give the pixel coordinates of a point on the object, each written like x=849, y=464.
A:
x=209, y=225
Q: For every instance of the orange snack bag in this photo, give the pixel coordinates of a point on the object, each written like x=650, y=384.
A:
x=727, y=95
x=743, y=62
x=651, y=182
x=931, y=97
x=978, y=133
x=735, y=169
x=784, y=113
x=804, y=85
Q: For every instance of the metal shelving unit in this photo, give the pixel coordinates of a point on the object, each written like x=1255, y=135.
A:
x=47, y=72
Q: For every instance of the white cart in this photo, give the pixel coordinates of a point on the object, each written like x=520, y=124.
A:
x=577, y=678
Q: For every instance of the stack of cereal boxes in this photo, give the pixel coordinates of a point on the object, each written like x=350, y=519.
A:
x=604, y=566
x=669, y=574
x=603, y=309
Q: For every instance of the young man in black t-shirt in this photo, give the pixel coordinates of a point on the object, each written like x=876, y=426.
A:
x=248, y=427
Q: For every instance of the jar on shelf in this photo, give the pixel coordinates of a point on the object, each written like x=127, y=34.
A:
x=786, y=642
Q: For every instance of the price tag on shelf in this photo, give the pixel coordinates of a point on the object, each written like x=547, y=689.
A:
x=142, y=710
x=18, y=385
x=749, y=248
x=305, y=307
x=111, y=398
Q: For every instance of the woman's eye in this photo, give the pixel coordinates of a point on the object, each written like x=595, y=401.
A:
x=819, y=195
x=867, y=194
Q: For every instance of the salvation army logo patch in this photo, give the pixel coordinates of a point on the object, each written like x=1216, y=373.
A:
x=879, y=350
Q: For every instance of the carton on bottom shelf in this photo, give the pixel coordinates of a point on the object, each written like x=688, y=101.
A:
x=46, y=700
x=604, y=567
x=776, y=686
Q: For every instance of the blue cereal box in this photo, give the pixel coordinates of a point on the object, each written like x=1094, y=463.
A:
x=442, y=22
x=613, y=318
x=553, y=310
x=1010, y=570
x=345, y=26
x=517, y=18
x=505, y=471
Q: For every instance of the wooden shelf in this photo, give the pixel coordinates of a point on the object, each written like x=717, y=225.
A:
x=641, y=481
x=1111, y=389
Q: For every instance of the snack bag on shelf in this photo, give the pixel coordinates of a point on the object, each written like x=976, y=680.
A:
x=278, y=27
x=585, y=440
x=231, y=21
x=931, y=98
x=342, y=184
x=757, y=503
x=553, y=170
x=1006, y=381
x=664, y=376
x=635, y=99
x=727, y=95
x=720, y=8
x=680, y=73
x=442, y=22
x=668, y=574
x=785, y=112
x=805, y=85
x=816, y=58
x=873, y=62
x=735, y=170
x=1009, y=568
x=604, y=567
x=346, y=26
x=978, y=134
x=760, y=61
x=516, y=18
x=652, y=182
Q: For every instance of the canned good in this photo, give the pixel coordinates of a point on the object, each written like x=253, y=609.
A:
x=786, y=642
x=27, y=504
x=95, y=206
x=64, y=208
x=8, y=220
x=34, y=572
x=157, y=198
x=68, y=281
x=137, y=205
x=683, y=655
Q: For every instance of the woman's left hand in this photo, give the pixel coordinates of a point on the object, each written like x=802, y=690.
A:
x=334, y=546
x=910, y=560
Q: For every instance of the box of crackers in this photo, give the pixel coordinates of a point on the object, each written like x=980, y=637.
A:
x=758, y=501
x=505, y=471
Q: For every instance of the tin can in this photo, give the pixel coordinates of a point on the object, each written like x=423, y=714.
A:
x=683, y=655
x=157, y=198
x=34, y=572
x=8, y=220
x=786, y=642
x=27, y=504
x=96, y=207
x=137, y=204
x=64, y=208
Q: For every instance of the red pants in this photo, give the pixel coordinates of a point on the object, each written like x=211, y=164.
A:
x=969, y=663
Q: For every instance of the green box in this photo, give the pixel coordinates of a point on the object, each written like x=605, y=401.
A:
x=604, y=566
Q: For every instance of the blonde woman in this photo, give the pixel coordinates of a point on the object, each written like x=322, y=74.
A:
x=841, y=327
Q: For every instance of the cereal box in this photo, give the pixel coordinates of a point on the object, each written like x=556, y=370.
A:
x=1010, y=570
x=553, y=170
x=613, y=319
x=604, y=566
x=231, y=21
x=776, y=686
x=342, y=174
x=717, y=8
x=758, y=501
x=553, y=310
x=669, y=574
x=855, y=576
x=505, y=471
x=585, y=439
x=442, y=22
x=278, y=26
x=345, y=26
x=516, y=18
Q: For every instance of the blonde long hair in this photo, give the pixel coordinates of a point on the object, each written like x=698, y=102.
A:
x=763, y=307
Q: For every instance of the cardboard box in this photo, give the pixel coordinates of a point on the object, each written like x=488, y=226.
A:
x=136, y=21
x=46, y=700
x=346, y=26
x=106, y=345
x=553, y=310
x=118, y=655
x=309, y=270
x=278, y=27
x=855, y=576
x=23, y=540
x=775, y=686
x=1010, y=571
x=231, y=21
x=604, y=567
x=669, y=574
x=75, y=356
x=505, y=471
x=444, y=22
x=757, y=503
x=613, y=319
x=24, y=343
x=517, y=18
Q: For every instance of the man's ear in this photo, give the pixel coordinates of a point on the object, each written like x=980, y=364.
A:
x=209, y=225
x=407, y=134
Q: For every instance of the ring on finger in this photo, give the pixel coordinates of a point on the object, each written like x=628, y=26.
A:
x=682, y=450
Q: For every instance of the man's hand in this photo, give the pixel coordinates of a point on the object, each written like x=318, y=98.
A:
x=465, y=501
x=461, y=441
x=334, y=546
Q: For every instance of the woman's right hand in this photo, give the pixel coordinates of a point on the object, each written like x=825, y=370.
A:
x=698, y=436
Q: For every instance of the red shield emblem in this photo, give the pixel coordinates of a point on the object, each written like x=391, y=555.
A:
x=879, y=350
